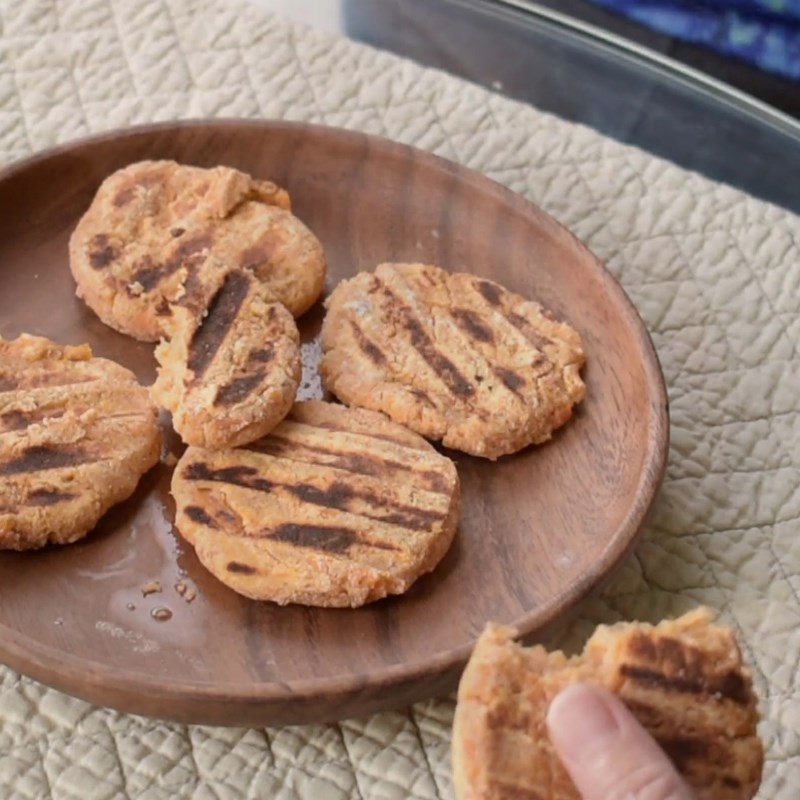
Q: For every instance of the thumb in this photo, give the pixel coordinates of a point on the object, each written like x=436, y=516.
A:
x=606, y=752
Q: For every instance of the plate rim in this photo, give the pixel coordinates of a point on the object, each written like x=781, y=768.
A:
x=60, y=668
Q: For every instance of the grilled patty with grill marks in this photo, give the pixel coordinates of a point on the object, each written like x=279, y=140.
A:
x=454, y=357
x=336, y=507
x=683, y=679
x=76, y=434
x=230, y=374
x=159, y=234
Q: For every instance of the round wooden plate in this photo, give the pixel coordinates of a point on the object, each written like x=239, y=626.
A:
x=538, y=529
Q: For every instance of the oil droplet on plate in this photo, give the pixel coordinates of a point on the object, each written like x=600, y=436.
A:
x=161, y=613
x=130, y=607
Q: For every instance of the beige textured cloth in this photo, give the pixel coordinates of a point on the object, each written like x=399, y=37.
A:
x=715, y=274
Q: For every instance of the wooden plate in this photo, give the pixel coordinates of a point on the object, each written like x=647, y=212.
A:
x=538, y=528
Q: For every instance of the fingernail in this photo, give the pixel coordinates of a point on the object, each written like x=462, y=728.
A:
x=581, y=721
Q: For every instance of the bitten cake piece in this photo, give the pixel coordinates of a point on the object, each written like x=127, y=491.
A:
x=336, y=507
x=76, y=434
x=159, y=234
x=684, y=680
x=452, y=356
x=230, y=375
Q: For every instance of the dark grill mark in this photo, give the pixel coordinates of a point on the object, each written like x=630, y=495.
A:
x=237, y=389
x=124, y=196
x=490, y=291
x=241, y=569
x=542, y=360
x=7, y=383
x=14, y=420
x=429, y=279
x=227, y=515
x=149, y=275
x=237, y=475
x=368, y=347
x=642, y=645
x=19, y=420
x=683, y=749
x=442, y=365
x=731, y=782
x=48, y=497
x=734, y=686
x=101, y=251
x=511, y=380
x=527, y=330
x=501, y=718
x=417, y=519
x=670, y=656
x=163, y=308
x=192, y=246
x=351, y=462
x=42, y=457
x=253, y=257
x=222, y=312
x=472, y=324
x=176, y=232
x=647, y=715
x=200, y=516
x=423, y=396
x=338, y=495
x=261, y=356
x=377, y=466
x=731, y=686
x=420, y=340
x=329, y=538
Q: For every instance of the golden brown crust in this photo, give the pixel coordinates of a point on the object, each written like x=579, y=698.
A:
x=160, y=233
x=684, y=680
x=229, y=375
x=452, y=356
x=336, y=507
x=76, y=434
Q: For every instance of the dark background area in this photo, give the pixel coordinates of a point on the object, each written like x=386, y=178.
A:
x=581, y=77
x=778, y=92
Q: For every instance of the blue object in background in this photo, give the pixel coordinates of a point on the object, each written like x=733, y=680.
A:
x=764, y=32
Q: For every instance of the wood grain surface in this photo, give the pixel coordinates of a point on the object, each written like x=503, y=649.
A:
x=538, y=528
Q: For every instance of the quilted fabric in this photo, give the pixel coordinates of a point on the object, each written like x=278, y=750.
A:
x=713, y=271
